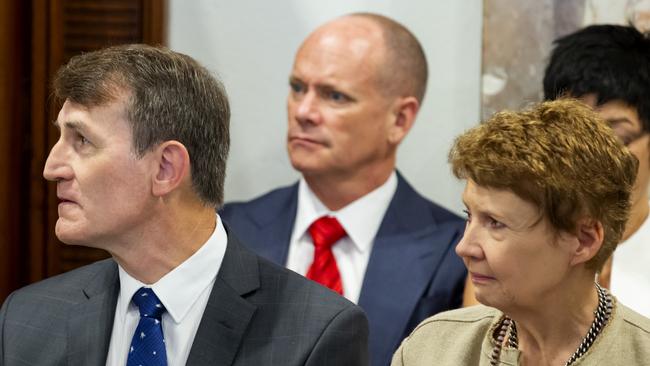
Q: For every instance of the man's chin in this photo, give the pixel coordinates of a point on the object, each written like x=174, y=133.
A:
x=70, y=240
x=306, y=166
x=68, y=235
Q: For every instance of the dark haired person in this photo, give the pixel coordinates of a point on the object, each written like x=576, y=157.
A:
x=139, y=170
x=608, y=67
x=357, y=84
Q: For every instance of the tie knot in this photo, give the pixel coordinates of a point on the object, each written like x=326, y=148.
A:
x=148, y=303
x=326, y=231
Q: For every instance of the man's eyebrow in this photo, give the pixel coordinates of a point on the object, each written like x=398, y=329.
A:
x=70, y=125
x=294, y=79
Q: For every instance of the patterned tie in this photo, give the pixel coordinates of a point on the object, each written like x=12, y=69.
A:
x=148, y=343
x=324, y=233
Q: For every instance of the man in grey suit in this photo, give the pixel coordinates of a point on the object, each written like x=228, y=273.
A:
x=139, y=169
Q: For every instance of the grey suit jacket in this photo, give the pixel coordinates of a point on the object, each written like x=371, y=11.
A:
x=258, y=314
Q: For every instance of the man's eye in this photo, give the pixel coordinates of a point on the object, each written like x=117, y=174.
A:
x=296, y=87
x=82, y=140
x=337, y=97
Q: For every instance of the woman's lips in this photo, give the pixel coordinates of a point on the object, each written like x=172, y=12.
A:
x=480, y=278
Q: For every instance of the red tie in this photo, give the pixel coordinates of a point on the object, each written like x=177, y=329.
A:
x=324, y=233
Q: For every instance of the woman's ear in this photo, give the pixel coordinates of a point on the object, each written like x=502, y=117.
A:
x=590, y=234
x=173, y=165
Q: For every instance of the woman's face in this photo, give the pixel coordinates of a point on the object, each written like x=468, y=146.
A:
x=514, y=257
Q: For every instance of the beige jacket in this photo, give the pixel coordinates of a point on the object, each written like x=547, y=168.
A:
x=462, y=337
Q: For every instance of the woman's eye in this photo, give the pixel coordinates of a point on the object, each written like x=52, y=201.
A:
x=495, y=224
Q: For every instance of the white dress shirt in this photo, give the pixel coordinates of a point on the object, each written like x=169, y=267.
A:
x=184, y=292
x=360, y=219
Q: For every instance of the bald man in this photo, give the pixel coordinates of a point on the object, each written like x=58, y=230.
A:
x=352, y=222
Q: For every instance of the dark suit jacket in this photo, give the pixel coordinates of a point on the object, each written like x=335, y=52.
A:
x=413, y=271
x=257, y=314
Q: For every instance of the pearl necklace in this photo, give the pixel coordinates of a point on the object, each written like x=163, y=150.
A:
x=601, y=317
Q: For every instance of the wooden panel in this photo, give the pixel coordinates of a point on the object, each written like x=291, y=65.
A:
x=90, y=25
x=153, y=22
x=14, y=126
x=38, y=190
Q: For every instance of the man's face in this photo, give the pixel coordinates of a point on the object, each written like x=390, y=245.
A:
x=338, y=119
x=626, y=124
x=103, y=188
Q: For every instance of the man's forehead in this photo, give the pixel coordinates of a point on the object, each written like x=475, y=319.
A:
x=114, y=101
x=71, y=114
x=106, y=92
x=339, y=51
x=350, y=31
x=327, y=68
x=80, y=116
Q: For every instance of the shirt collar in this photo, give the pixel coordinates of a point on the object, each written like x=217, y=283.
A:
x=179, y=289
x=360, y=219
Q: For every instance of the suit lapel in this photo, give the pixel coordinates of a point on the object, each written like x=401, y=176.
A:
x=91, y=322
x=275, y=221
x=227, y=314
x=403, y=260
x=399, y=271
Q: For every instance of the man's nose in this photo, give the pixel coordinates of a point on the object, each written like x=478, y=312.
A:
x=56, y=167
x=308, y=109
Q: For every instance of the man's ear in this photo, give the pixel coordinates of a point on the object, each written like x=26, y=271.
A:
x=404, y=111
x=173, y=165
x=590, y=234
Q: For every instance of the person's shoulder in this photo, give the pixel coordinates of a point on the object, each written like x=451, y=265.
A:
x=633, y=321
x=474, y=319
x=442, y=214
x=277, y=284
x=478, y=314
x=69, y=283
x=289, y=285
x=625, y=340
x=449, y=338
x=297, y=319
x=412, y=200
x=60, y=293
x=271, y=200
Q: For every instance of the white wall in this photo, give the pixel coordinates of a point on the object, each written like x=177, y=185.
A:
x=250, y=45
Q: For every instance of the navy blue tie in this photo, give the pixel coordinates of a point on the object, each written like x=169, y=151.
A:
x=148, y=344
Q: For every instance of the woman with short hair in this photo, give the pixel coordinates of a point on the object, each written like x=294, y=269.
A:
x=547, y=197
